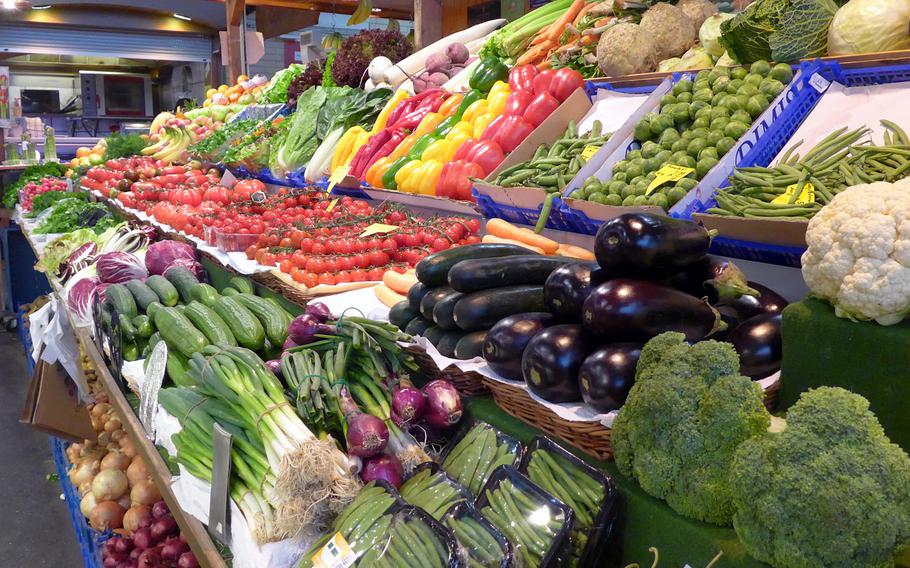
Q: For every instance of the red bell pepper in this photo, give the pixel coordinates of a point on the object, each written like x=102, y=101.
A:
x=395, y=138
x=565, y=82
x=363, y=155
x=540, y=107
x=493, y=128
x=485, y=153
x=513, y=132
x=518, y=102
x=521, y=78
x=542, y=81
x=455, y=180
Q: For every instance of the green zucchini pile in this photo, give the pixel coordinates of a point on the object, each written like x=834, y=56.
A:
x=462, y=292
x=188, y=315
x=481, y=450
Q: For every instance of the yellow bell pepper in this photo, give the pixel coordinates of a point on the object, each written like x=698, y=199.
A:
x=450, y=105
x=343, y=149
x=496, y=100
x=405, y=146
x=381, y=120
x=427, y=176
x=475, y=109
x=436, y=150
x=455, y=143
x=481, y=123
x=405, y=177
x=429, y=123
x=361, y=139
x=374, y=174
x=462, y=127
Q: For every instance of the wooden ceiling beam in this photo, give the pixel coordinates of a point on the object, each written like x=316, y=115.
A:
x=273, y=22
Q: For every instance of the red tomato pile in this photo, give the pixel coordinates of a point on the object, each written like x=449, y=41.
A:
x=32, y=189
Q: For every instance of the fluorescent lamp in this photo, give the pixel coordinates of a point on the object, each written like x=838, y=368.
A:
x=45, y=7
x=180, y=17
x=9, y=4
x=377, y=9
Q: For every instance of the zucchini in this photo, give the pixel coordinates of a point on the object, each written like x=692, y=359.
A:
x=204, y=294
x=120, y=298
x=434, y=269
x=241, y=284
x=141, y=293
x=470, y=345
x=446, y=344
x=429, y=300
x=401, y=313
x=177, y=366
x=209, y=323
x=481, y=310
x=416, y=294
x=183, y=279
x=417, y=326
x=178, y=332
x=273, y=321
x=243, y=324
x=484, y=273
x=433, y=334
x=444, y=311
x=144, y=326
x=167, y=294
x=228, y=291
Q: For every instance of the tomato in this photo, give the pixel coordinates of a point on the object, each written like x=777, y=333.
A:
x=267, y=259
x=378, y=258
x=518, y=102
x=565, y=82
x=329, y=265
x=375, y=274
x=327, y=279
x=361, y=261
x=440, y=244
x=543, y=80
x=358, y=276
x=297, y=275
x=170, y=170
x=342, y=278
x=540, y=107
x=472, y=240
x=310, y=280
x=344, y=263
x=128, y=200
x=315, y=264
x=318, y=248
x=286, y=266
x=306, y=244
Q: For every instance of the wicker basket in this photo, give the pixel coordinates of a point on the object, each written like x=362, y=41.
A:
x=466, y=383
x=591, y=437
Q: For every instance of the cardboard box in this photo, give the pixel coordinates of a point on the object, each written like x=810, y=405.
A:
x=779, y=232
x=52, y=405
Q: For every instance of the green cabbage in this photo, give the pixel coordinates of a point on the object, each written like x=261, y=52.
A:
x=867, y=26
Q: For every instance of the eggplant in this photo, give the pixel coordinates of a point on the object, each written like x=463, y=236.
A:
x=607, y=375
x=717, y=278
x=567, y=288
x=649, y=246
x=551, y=362
x=506, y=341
x=758, y=342
x=637, y=310
x=766, y=302
x=415, y=295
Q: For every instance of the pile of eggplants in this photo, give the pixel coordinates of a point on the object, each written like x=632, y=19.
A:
x=653, y=274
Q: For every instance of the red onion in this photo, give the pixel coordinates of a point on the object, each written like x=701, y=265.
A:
x=123, y=545
x=114, y=560
x=408, y=403
x=319, y=311
x=159, y=509
x=288, y=343
x=150, y=558
x=443, y=404
x=367, y=435
x=142, y=538
x=384, y=466
x=173, y=549
x=165, y=526
x=146, y=521
x=303, y=329
x=274, y=366
x=134, y=555
x=187, y=560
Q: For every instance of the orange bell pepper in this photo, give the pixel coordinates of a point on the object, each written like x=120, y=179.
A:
x=429, y=123
x=374, y=174
x=450, y=105
x=404, y=147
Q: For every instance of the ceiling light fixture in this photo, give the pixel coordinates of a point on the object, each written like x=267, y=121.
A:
x=9, y=4
x=377, y=9
x=44, y=7
x=181, y=17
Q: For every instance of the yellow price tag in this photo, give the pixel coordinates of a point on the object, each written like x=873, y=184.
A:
x=669, y=172
x=377, y=228
x=588, y=152
x=336, y=553
x=331, y=205
x=807, y=195
x=338, y=175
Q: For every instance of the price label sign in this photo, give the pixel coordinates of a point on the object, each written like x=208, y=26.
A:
x=228, y=180
x=378, y=228
x=332, y=204
x=588, y=152
x=807, y=195
x=154, y=375
x=338, y=175
x=336, y=553
x=670, y=172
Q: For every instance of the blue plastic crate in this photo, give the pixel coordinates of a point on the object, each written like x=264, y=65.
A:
x=90, y=540
x=758, y=252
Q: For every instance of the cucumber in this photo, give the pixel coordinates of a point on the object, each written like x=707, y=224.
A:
x=150, y=344
x=433, y=334
x=167, y=294
x=120, y=298
x=241, y=284
x=152, y=308
x=178, y=332
x=484, y=273
x=401, y=313
x=209, y=323
x=141, y=293
x=144, y=326
x=127, y=329
x=429, y=300
x=183, y=279
x=130, y=351
x=416, y=294
x=204, y=294
x=177, y=366
x=228, y=291
x=243, y=324
x=273, y=321
x=481, y=310
x=444, y=311
x=470, y=345
x=417, y=326
x=434, y=269
x=446, y=344
x=270, y=351
x=274, y=301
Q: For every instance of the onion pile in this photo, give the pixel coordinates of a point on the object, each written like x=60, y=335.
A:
x=156, y=542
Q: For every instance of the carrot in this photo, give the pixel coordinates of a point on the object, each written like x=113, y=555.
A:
x=559, y=26
x=603, y=21
x=534, y=54
x=573, y=251
x=399, y=283
x=588, y=40
x=545, y=64
x=582, y=13
x=505, y=230
x=387, y=296
x=499, y=240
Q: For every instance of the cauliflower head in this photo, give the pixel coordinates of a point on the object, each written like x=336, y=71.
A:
x=687, y=412
x=828, y=491
x=858, y=255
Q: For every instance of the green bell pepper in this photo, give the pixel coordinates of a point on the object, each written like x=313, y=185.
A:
x=490, y=70
x=470, y=98
x=445, y=126
x=388, y=178
x=417, y=150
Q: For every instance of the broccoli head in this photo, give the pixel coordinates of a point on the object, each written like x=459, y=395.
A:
x=829, y=490
x=687, y=412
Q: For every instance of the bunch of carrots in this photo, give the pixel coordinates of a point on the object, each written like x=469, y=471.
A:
x=575, y=31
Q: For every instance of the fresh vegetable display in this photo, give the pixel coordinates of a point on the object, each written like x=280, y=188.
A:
x=434, y=492
x=33, y=190
x=486, y=546
x=70, y=214
x=157, y=541
x=244, y=91
x=480, y=451
x=33, y=173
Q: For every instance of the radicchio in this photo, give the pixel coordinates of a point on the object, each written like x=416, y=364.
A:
x=80, y=298
x=164, y=254
x=127, y=239
x=77, y=260
x=119, y=267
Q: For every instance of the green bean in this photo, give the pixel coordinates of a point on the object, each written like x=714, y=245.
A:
x=796, y=211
